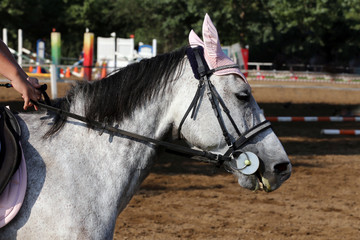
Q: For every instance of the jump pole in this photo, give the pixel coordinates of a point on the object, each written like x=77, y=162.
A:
x=88, y=55
x=340, y=132
x=4, y=36
x=154, y=47
x=313, y=119
x=40, y=51
x=53, y=80
x=20, y=46
x=55, y=58
x=56, y=48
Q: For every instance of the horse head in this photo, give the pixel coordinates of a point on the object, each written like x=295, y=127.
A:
x=204, y=130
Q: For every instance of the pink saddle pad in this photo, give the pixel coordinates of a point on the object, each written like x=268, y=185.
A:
x=13, y=195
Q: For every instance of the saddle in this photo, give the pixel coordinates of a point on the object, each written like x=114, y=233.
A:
x=10, y=151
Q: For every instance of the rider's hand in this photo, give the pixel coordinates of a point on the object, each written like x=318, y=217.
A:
x=28, y=91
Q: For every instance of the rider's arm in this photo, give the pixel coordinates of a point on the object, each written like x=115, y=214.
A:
x=20, y=81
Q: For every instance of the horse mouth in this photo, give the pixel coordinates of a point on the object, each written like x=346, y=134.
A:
x=262, y=184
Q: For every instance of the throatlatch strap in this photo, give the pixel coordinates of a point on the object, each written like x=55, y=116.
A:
x=192, y=106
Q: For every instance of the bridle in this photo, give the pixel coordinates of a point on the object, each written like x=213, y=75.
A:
x=204, y=75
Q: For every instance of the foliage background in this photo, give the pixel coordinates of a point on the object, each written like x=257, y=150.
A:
x=278, y=31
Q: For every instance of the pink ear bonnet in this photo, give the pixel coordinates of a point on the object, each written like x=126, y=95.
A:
x=214, y=55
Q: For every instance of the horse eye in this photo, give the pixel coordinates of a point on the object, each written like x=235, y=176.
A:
x=243, y=96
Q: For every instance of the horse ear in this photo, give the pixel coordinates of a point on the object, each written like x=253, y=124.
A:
x=211, y=38
x=194, y=39
x=214, y=55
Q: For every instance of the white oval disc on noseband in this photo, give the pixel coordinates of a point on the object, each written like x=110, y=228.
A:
x=247, y=163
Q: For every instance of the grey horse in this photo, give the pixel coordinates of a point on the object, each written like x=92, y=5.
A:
x=80, y=180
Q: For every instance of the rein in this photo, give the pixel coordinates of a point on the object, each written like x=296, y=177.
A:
x=198, y=155
x=201, y=156
x=204, y=74
x=210, y=157
x=7, y=85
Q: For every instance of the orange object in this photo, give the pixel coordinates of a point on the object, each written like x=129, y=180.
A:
x=38, y=69
x=61, y=71
x=82, y=72
x=76, y=69
x=67, y=73
x=31, y=69
x=103, y=70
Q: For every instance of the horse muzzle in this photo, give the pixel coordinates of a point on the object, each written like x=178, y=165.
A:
x=253, y=174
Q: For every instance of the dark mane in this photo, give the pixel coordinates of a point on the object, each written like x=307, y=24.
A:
x=116, y=96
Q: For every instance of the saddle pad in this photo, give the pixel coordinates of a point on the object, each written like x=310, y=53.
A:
x=13, y=195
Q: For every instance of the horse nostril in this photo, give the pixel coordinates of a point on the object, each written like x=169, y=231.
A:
x=281, y=167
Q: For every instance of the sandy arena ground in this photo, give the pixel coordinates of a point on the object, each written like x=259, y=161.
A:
x=182, y=199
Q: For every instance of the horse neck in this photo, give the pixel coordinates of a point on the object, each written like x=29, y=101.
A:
x=126, y=162
x=152, y=120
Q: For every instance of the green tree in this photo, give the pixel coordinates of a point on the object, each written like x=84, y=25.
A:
x=274, y=29
x=315, y=27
